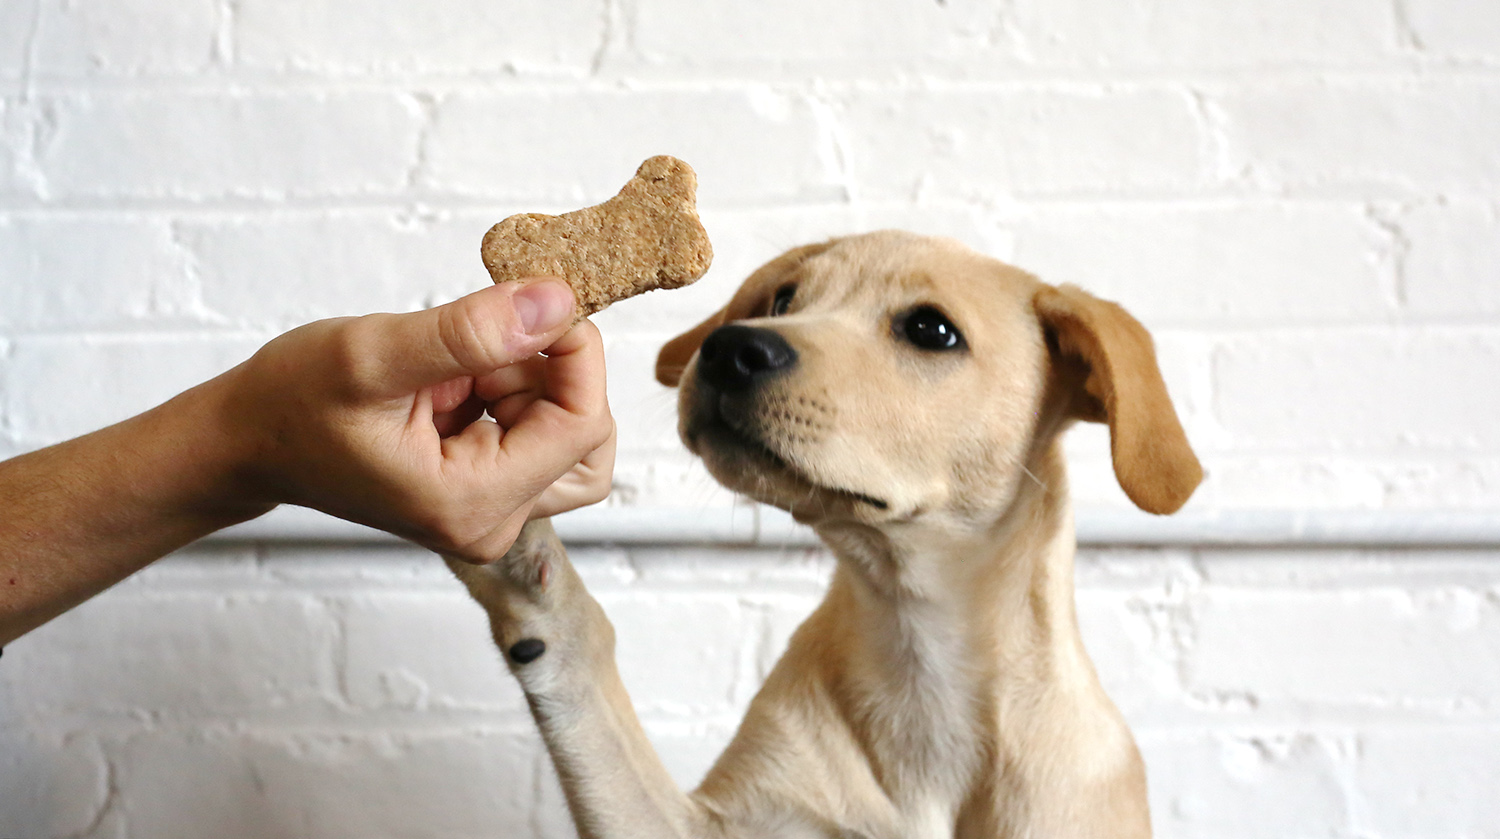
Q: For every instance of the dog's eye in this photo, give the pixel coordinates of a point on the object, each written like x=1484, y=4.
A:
x=783, y=300
x=929, y=329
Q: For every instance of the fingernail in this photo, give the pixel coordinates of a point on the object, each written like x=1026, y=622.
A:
x=543, y=306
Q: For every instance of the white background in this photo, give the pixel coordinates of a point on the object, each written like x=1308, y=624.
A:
x=1298, y=197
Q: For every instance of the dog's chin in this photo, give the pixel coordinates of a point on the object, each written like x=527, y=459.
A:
x=752, y=468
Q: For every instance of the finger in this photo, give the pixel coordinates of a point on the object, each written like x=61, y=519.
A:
x=509, y=410
x=472, y=336
x=475, y=444
x=448, y=395
x=575, y=370
x=574, y=415
x=527, y=376
x=587, y=483
x=552, y=435
x=452, y=422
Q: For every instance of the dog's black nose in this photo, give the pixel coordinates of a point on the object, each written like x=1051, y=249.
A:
x=736, y=357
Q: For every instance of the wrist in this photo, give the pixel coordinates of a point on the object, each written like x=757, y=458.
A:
x=210, y=469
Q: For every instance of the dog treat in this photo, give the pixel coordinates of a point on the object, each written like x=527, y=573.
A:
x=645, y=238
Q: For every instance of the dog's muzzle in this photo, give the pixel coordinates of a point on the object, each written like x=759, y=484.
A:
x=734, y=358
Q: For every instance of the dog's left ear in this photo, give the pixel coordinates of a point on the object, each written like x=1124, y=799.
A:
x=1122, y=387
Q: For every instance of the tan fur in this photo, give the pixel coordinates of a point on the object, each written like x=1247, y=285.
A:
x=942, y=688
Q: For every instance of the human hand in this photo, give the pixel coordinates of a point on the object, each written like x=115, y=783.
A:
x=381, y=419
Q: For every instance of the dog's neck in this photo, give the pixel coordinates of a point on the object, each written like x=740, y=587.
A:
x=1005, y=582
x=947, y=622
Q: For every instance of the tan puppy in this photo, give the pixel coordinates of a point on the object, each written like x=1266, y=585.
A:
x=903, y=396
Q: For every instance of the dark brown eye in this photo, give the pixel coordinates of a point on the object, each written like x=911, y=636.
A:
x=929, y=329
x=783, y=300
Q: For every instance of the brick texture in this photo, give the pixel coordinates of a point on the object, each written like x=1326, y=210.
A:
x=1299, y=199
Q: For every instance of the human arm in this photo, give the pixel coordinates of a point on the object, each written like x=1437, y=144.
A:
x=377, y=419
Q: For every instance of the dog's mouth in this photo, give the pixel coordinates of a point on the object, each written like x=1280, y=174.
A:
x=720, y=433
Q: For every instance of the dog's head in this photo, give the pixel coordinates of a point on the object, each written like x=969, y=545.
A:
x=889, y=376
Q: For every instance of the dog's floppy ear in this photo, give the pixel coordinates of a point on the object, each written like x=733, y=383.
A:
x=752, y=299
x=1122, y=386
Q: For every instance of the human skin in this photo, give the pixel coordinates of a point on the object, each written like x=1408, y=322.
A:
x=445, y=426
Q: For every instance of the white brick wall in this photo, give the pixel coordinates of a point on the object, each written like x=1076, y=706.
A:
x=1301, y=199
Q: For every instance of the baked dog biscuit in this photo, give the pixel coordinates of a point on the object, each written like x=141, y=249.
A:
x=644, y=238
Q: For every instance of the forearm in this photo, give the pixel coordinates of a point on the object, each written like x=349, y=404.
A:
x=376, y=419
x=78, y=517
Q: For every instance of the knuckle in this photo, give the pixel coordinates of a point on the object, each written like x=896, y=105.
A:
x=600, y=430
x=354, y=349
x=599, y=490
x=467, y=333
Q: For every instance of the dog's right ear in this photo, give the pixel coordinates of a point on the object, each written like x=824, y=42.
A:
x=1113, y=358
x=752, y=300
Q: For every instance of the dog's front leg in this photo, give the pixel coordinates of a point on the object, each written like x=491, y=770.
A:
x=561, y=648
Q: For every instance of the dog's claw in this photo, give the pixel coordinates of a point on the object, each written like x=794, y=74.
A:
x=527, y=650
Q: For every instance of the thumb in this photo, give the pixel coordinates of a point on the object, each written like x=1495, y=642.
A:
x=476, y=334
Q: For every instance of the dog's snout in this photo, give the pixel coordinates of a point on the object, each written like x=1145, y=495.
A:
x=736, y=357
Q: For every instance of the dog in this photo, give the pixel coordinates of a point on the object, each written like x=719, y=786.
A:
x=904, y=396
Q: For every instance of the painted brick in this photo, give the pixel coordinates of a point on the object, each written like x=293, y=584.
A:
x=825, y=35
x=1413, y=480
x=1135, y=642
x=13, y=133
x=50, y=786
x=125, y=38
x=991, y=143
x=339, y=262
x=683, y=655
x=645, y=410
x=200, y=655
x=1365, y=138
x=761, y=573
x=342, y=570
x=1296, y=198
x=424, y=651
x=448, y=783
x=204, y=566
x=688, y=749
x=1414, y=782
x=1258, y=784
x=1257, y=262
x=1384, y=647
x=17, y=21
x=541, y=147
x=670, y=479
x=152, y=145
x=1185, y=34
x=1454, y=28
x=1470, y=482
x=1337, y=569
x=130, y=270
x=781, y=615
x=450, y=36
x=1305, y=482
x=1340, y=569
x=63, y=387
x=1361, y=390
x=1452, y=267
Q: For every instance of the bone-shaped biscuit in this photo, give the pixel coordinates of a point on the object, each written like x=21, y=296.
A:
x=644, y=238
